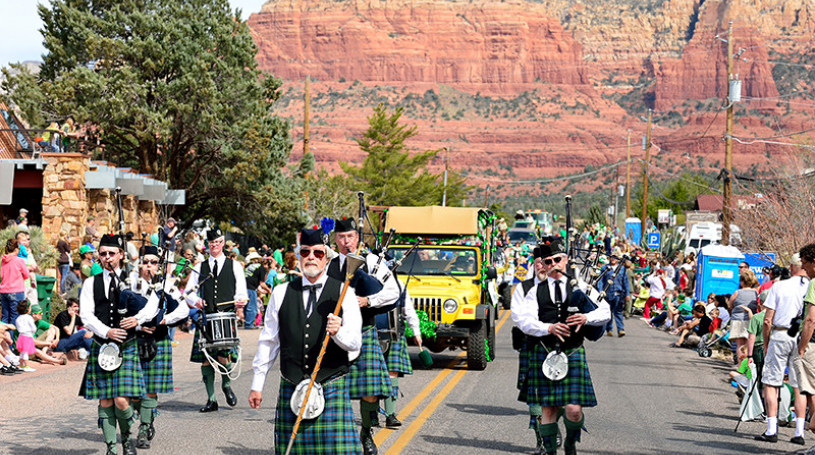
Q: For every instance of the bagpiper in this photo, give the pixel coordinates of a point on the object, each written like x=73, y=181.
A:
x=553, y=315
x=297, y=318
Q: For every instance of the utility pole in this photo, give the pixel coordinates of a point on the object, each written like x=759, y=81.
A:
x=306, y=120
x=645, y=169
x=728, y=145
x=487, y=197
x=446, y=160
x=628, y=180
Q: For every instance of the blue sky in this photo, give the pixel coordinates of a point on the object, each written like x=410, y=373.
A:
x=20, y=39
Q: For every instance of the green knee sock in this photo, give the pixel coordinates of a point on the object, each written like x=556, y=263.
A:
x=209, y=381
x=148, y=406
x=125, y=419
x=365, y=410
x=390, y=402
x=573, y=430
x=136, y=405
x=548, y=433
x=225, y=380
x=107, y=422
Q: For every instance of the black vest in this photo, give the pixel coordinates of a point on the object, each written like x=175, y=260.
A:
x=334, y=270
x=218, y=289
x=548, y=313
x=301, y=338
x=107, y=309
x=368, y=314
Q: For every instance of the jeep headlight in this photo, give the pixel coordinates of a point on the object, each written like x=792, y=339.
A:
x=450, y=306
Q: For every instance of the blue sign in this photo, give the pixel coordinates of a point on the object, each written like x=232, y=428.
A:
x=757, y=261
x=653, y=240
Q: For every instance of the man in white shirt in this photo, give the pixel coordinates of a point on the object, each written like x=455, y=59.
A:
x=99, y=306
x=552, y=315
x=297, y=318
x=783, y=306
x=222, y=285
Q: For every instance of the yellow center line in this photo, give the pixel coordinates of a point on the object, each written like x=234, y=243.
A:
x=382, y=435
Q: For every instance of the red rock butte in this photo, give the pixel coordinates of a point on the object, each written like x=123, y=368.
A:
x=520, y=89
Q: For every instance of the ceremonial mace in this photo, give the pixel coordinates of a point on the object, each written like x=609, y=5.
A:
x=353, y=262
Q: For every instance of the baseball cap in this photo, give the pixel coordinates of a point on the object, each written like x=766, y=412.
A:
x=795, y=259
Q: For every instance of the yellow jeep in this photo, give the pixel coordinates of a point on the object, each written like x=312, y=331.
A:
x=451, y=278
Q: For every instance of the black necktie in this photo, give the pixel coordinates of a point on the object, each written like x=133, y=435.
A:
x=558, y=293
x=215, y=268
x=312, y=297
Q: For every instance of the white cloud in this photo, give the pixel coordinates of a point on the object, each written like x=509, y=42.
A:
x=20, y=25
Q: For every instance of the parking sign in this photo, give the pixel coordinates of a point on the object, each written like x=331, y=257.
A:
x=653, y=240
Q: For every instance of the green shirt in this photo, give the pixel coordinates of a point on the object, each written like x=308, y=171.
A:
x=42, y=326
x=755, y=327
x=810, y=296
x=744, y=368
x=684, y=309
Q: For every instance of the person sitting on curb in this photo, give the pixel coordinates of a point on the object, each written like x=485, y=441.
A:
x=692, y=331
x=72, y=335
x=46, y=338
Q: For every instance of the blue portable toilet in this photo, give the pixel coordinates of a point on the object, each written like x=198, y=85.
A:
x=717, y=271
x=632, y=230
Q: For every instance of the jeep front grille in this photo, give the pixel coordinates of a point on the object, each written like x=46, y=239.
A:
x=430, y=306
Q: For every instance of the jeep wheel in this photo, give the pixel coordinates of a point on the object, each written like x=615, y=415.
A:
x=491, y=337
x=476, y=350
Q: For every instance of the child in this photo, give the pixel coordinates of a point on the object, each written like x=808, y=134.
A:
x=25, y=341
x=741, y=377
x=717, y=321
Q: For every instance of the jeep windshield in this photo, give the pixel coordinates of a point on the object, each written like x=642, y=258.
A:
x=433, y=260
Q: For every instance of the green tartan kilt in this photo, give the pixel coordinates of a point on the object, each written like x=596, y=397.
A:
x=369, y=372
x=333, y=432
x=125, y=381
x=523, y=366
x=158, y=373
x=398, y=358
x=575, y=388
x=197, y=355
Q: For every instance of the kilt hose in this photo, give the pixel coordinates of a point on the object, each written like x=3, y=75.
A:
x=575, y=388
x=125, y=381
x=197, y=355
x=369, y=372
x=397, y=357
x=334, y=432
x=158, y=373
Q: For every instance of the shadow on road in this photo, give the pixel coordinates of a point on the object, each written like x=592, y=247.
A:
x=491, y=411
x=242, y=450
x=22, y=450
x=499, y=446
x=728, y=440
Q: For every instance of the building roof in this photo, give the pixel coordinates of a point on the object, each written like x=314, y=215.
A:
x=713, y=202
x=14, y=140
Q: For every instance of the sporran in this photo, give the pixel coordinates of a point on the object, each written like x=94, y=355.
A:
x=556, y=366
x=316, y=400
x=110, y=357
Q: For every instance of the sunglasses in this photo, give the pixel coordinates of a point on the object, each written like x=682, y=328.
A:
x=554, y=260
x=305, y=252
x=107, y=253
x=153, y=262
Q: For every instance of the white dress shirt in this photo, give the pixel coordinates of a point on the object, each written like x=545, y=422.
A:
x=237, y=270
x=409, y=311
x=181, y=312
x=524, y=308
x=349, y=336
x=87, y=306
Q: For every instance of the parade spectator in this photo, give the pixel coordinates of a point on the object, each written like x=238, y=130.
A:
x=86, y=266
x=784, y=303
x=131, y=250
x=45, y=338
x=13, y=273
x=167, y=237
x=755, y=338
x=805, y=360
x=90, y=229
x=743, y=305
x=25, y=335
x=255, y=274
x=73, y=282
x=292, y=267
x=72, y=334
x=656, y=291
x=691, y=332
x=64, y=261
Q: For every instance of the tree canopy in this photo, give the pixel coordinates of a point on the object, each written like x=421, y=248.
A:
x=171, y=88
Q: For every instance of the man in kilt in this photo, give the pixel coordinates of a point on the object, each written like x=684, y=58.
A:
x=552, y=315
x=297, y=318
x=222, y=286
x=397, y=357
x=369, y=380
x=99, y=306
x=158, y=371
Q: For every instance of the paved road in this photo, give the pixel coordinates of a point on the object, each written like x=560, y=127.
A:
x=653, y=400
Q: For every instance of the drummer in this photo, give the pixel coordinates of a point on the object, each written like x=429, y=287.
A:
x=218, y=294
x=298, y=316
x=158, y=372
x=98, y=308
x=552, y=315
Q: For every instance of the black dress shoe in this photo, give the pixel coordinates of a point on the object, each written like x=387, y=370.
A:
x=767, y=438
x=151, y=432
x=231, y=399
x=143, y=442
x=209, y=407
x=392, y=422
x=368, y=444
x=798, y=440
x=127, y=445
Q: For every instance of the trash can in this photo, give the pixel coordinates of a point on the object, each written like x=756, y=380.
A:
x=45, y=290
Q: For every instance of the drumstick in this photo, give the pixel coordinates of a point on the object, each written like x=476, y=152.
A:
x=351, y=269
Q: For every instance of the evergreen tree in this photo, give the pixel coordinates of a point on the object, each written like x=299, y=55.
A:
x=390, y=176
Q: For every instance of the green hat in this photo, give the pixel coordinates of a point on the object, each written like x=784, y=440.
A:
x=36, y=309
x=85, y=249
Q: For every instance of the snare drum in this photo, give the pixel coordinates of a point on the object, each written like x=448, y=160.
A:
x=223, y=329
